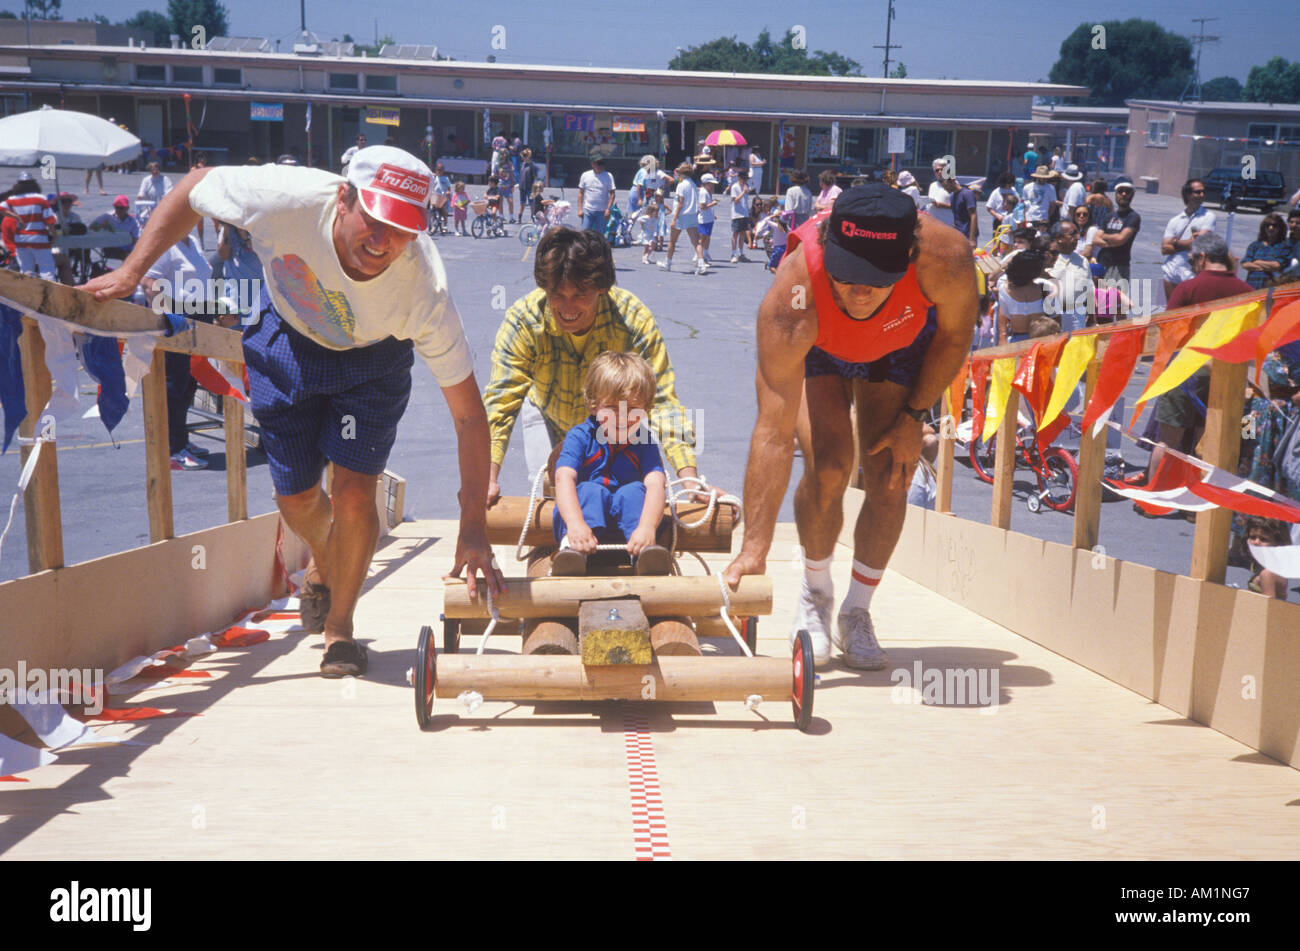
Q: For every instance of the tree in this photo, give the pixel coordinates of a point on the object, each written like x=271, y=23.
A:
x=44, y=9
x=900, y=72
x=7, y=15
x=1221, y=89
x=97, y=18
x=150, y=27
x=369, y=49
x=185, y=15
x=1275, y=81
x=1129, y=59
x=726, y=54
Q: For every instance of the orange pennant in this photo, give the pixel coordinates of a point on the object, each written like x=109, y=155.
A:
x=1173, y=336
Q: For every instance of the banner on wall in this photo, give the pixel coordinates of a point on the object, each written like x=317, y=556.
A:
x=383, y=115
x=628, y=124
x=266, y=111
x=579, y=122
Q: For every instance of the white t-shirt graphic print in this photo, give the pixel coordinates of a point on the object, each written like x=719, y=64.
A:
x=289, y=212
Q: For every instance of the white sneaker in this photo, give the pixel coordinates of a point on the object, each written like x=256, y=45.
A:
x=813, y=614
x=735, y=259
x=855, y=636
x=665, y=265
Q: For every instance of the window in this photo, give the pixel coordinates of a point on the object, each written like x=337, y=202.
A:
x=381, y=83
x=859, y=146
x=1261, y=130
x=1288, y=132
x=343, y=81
x=932, y=144
x=1158, y=134
x=187, y=74
x=222, y=76
x=150, y=74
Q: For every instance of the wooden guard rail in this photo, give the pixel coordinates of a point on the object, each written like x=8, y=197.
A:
x=41, y=502
x=1220, y=446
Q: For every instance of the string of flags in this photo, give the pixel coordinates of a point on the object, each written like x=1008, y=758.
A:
x=1245, y=140
x=1047, y=375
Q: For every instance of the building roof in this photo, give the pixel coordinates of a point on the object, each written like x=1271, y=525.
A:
x=604, y=74
x=1253, y=108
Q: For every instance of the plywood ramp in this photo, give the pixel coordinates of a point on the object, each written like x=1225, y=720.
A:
x=283, y=764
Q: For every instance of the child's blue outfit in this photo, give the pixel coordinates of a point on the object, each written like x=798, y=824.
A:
x=611, y=480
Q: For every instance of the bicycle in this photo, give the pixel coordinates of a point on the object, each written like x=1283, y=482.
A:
x=438, y=220
x=1055, y=468
x=487, y=221
x=552, y=216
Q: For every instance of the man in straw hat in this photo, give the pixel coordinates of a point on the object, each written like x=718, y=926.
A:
x=872, y=305
x=354, y=288
x=1040, y=195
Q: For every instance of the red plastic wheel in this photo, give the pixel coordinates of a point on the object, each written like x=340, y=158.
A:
x=803, y=682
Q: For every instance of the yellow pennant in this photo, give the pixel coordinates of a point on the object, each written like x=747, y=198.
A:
x=1220, y=327
x=1000, y=376
x=1076, y=356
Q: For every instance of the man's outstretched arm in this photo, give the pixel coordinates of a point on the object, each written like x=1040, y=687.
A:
x=785, y=335
x=470, y=419
x=172, y=220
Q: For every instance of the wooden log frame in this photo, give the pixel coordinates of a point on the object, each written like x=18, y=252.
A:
x=41, y=501
x=561, y=597
x=506, y=518
x=613, y=631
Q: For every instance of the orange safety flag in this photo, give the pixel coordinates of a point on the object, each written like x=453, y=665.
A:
x=1219, y=328
x=1004, y=368
x=1117, y=365
x=1173, y=336
x=1281, y=328
x=957, y=392
x=1073, y=362
x=979, y=375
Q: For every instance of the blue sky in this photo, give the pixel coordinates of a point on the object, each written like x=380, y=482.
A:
x=995, y=39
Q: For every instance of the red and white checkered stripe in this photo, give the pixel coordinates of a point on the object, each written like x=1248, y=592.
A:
x=649, y=830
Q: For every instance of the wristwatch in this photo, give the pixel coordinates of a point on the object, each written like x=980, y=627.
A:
x=920, y=415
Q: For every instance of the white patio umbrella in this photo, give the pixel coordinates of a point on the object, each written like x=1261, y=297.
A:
x=72, y=139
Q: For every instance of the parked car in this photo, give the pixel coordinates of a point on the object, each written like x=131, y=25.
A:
x=1227, y=187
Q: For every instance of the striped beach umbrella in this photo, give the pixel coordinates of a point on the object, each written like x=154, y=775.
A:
x=725, y=137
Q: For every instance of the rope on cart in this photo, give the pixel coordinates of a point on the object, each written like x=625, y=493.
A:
x=726, y=617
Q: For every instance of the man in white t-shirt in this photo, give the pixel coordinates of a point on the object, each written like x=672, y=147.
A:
x=1194, y=219
x=595, y=195
x=1058, y=159
x=354, y=288
x=347, y=156
x=154, y=185
x=940, y=208
x=1075, y=194
x=740, y=198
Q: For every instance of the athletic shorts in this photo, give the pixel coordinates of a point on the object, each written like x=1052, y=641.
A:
x=315, y=404
x=901, y=366
x=685, y=222
x=705, y=228
x=739, y=225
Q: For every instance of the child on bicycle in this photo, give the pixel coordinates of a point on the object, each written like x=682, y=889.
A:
x=460, y=208
x=610, y=486
x=537, y=202
x=493, y=196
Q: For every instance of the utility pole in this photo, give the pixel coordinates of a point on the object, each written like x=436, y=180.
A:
x=302, y=15
x=1200, y=41
x=889, y=22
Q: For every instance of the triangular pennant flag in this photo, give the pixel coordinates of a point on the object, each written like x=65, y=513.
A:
x=1172, y=477
x=979, y=375
x=1220, y=327
x=957, y=391
x=13, y=397
x=1246, y=504
x=1117, y=365
x=61, y=359
x=1074, y=361
x=1173, y=336
x=1282, y=560
x=215, y=378
x=1034, y=378
x=137, y=361
x=1000, y=375
x=103, y=363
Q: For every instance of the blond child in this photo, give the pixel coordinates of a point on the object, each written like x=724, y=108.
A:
x=610, y=486
x=460, y=207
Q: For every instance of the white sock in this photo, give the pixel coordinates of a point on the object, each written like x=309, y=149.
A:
x=861, y=587
x=817, y=574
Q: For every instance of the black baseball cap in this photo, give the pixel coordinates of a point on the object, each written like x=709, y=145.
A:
x=870, y=234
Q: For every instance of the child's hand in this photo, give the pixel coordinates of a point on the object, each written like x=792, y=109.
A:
x=641, y=539
x=582, y=539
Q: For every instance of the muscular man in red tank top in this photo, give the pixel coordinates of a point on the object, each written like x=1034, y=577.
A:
x=874, y=307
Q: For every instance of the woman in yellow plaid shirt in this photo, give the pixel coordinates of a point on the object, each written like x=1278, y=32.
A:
x=550, y=336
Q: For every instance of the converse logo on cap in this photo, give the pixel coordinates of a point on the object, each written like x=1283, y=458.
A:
x=850, y=230
x=402, y=182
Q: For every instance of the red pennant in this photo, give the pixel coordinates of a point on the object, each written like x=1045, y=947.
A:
x=1281, y=328
x=240, y=637
x=13, y=779
x=1171, y=473
x=1173, y=336
x=167, y=671
x=1034, y=377
x=979, y=374
x=1117, y=365
x=206, y=375
x=1246, y=504
x=126, y=714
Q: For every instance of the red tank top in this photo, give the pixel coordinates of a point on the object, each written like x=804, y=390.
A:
x=894, y=326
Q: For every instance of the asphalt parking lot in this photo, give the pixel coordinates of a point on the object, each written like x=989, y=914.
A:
x=707, y=323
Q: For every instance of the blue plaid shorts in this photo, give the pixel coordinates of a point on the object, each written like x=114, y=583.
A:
x=315, y=404
x=901, y=366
